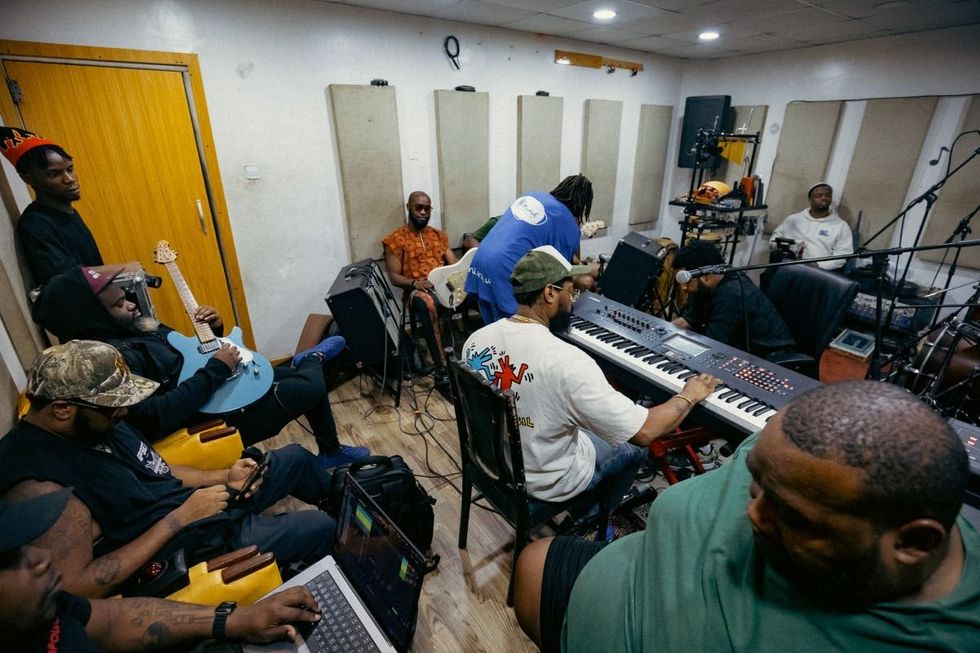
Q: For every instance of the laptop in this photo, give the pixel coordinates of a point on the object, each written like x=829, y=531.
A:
x=378, y=572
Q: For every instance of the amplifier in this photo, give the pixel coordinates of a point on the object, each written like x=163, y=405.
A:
x=633, y=269
x=366, y=312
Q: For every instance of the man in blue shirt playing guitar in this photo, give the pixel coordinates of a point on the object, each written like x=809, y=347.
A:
x=83, y=303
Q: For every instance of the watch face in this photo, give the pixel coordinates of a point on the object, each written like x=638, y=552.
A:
x=226, y=607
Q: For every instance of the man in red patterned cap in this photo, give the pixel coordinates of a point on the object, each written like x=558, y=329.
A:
x=53, y=235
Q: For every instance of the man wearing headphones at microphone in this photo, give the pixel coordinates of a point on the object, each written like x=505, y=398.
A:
x=727, y=306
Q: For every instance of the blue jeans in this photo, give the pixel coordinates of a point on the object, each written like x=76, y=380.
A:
x=305, y=535
x=619, y=463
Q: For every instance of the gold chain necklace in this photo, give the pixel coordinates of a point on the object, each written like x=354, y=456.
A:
x=526, y=320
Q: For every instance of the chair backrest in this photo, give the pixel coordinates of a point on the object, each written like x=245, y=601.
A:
x=813, y=302
x=489, y=435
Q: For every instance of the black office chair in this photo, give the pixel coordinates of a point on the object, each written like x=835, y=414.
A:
x=813, y=303
x=493, y=461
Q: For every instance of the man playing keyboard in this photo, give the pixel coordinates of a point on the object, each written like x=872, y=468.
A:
x=576, y=429
x=728, y=307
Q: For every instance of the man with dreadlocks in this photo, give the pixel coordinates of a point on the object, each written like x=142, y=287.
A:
x=533, y=220
x=53, y=235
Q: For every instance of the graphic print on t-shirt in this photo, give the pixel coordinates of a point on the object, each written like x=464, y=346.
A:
x=501, y=372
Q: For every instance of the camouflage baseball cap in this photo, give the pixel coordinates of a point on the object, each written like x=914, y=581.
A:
x=89, y=371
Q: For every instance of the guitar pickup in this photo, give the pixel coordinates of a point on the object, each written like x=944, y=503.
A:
x=450, y=285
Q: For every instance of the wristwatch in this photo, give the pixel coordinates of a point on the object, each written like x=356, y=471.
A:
x=220, y=617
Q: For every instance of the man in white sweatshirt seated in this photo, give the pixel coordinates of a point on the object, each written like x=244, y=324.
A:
x=818, y=231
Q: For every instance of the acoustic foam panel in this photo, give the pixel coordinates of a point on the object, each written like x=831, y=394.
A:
x=648, y=166
x=802, y=154
x=365, y=122
x=538, y=142
x=958, y=197
x=463, y=142
x=885, y=155
x=600, y=154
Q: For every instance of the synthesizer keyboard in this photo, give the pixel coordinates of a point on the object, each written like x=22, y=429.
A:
x=650, y=354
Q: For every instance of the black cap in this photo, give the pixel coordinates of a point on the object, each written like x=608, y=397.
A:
x=22, y=522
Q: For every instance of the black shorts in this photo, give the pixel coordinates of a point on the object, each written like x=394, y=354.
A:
x=567, y=557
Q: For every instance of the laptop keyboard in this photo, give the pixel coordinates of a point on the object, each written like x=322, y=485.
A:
x=339, y=628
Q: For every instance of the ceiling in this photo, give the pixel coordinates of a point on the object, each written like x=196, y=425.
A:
x=671, y=27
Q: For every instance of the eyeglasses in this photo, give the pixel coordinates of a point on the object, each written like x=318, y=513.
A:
x=110, y=411
x=574, y=292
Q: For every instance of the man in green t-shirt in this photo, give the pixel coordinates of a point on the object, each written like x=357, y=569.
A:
x=834, y=529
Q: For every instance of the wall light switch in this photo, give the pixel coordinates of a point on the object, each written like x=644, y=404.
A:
x=253, y=172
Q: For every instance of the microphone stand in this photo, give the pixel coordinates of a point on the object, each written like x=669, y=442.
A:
x=879, y=265
x=929, y=197
x=962, y=230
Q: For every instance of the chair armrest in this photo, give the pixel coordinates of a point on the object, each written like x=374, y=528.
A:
x=232, y=557
x=217, y=446
x=246, y=581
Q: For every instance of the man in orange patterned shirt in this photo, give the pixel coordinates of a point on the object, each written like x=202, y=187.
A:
x=411, y=252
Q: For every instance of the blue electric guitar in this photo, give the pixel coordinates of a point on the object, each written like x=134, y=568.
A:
x=253, y=376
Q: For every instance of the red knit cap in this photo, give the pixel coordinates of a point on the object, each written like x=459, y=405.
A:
x=15, y=142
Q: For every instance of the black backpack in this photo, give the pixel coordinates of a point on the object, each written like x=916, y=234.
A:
x=392, y=485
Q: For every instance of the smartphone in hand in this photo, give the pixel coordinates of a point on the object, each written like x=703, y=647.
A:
x=253, y=476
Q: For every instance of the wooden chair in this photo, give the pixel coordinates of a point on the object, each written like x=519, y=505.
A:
x=493, y=461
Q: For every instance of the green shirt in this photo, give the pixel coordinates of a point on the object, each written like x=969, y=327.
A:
x=482, y=232
x=690, y=583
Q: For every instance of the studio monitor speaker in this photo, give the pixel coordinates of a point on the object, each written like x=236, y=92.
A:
x=704, y=112
x=633, y=269
x=366, y=312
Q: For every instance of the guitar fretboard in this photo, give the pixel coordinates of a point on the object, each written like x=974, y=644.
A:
x=201, y=329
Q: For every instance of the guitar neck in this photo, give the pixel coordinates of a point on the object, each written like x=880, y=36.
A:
x=201, y=329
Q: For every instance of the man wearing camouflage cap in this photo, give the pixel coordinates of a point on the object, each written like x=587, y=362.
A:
x=129, y=506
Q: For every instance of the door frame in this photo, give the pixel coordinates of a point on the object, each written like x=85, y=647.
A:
x=41, y=52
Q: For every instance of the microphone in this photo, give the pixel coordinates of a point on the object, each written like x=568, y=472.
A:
x=683, y=276
x=153, y=281
x=935, y=161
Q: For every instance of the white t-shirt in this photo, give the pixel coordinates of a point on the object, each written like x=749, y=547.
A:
x=828, y=236
x=559, y=390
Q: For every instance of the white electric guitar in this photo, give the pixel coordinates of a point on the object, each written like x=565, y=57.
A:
x=448, y=281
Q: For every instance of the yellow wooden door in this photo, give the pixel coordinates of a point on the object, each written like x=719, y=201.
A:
x=130, y=133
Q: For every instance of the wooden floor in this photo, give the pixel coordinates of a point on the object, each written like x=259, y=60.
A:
x=463, y=606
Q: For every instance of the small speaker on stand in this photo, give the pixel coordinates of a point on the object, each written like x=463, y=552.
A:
x=632, y=271
x=369, y=318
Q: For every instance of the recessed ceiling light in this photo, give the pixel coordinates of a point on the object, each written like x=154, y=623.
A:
x=563, y=60
x=604, y=14
x=708, y=36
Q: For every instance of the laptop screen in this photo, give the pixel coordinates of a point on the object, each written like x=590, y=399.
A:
x=383, y=565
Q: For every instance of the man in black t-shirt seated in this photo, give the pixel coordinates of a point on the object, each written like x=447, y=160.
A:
x=728, y=307
x=36, y=616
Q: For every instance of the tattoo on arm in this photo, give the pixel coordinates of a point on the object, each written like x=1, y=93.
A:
x=106, y=570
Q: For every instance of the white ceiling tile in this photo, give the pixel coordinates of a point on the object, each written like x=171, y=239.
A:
x=672, y=5
x=545, y=24
x=417, y=7
x=474, y=11
x=607, y=34
x=727, y=11
x=542, y=6
x=668, y=21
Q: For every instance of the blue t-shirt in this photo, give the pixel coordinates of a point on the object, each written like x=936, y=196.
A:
x=533, y=220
